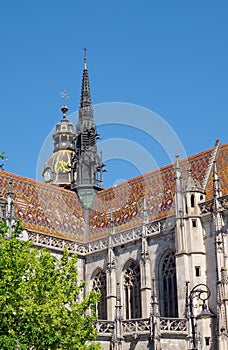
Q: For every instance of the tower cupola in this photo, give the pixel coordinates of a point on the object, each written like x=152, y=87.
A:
x=57, y=168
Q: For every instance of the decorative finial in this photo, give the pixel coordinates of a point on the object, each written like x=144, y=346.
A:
x=64, y=108
x=85, y=49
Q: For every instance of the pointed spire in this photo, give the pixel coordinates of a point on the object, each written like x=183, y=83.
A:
x=89, y=164
x=178, y=175
x=85, y=90
x=217, y=189
x=85, y=49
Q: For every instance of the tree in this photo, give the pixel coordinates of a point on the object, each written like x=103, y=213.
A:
x=2, y=157
x=39, y=307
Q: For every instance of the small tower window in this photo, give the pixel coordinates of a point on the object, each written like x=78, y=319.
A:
x=192, y=201
x=207, y=341
x=186, y=207
x=194, y=223
x=64, y=138
x=197, y=271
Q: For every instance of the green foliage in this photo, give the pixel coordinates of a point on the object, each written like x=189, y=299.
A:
x=39, y=307
x=2, y=156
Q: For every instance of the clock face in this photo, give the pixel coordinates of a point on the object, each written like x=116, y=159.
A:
x=47, y=175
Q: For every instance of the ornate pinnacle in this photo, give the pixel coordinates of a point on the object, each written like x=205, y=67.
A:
x=85, y=90
x=217, y=189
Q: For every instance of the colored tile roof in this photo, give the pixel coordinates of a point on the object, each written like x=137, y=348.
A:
x=45, y=208
x=157, y=187
x=50, y=210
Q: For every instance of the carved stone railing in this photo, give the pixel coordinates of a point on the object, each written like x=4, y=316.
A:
x=142, y=326
x=136, y=327
x=160, y=226
x=173, y=325
x=223, y=201
x=126, y=236
x=94, y=246
x=116, y=239
x=208, y=206
x=105, y=328
x=54, y=243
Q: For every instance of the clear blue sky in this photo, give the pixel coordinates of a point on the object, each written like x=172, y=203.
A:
x=168, y=56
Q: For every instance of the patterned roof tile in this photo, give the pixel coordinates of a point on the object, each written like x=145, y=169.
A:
x=50, y=210
x=45, y=208
x=157, y=187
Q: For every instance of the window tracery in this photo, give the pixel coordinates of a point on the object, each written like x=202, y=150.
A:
x=99, y=286
x=169, y=286
x=131, y=283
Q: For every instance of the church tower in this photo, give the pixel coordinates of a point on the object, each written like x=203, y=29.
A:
x=86, y=165
x=57, y=168
x=75, y=163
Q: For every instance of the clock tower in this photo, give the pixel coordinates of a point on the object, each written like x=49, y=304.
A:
x=57, y=168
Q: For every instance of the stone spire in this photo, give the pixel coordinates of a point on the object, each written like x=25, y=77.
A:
x=88, y=165
x=85, y=91
x=85, y=118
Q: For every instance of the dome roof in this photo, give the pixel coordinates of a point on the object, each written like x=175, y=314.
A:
x=57, y=168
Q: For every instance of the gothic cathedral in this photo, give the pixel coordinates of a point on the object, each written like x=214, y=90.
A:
x=155, y=247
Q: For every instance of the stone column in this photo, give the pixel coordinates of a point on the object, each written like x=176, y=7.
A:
x=111, y=276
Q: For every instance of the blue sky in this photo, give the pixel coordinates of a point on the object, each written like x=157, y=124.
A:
x=167, y=56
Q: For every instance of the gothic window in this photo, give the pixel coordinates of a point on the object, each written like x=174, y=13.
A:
x=99, y=286
x=169, y=305
x=131, y=283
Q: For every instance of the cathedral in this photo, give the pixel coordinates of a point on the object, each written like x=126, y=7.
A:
x=155, y=247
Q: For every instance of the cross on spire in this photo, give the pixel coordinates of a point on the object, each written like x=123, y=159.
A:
x=64, y=95
x=85, y=50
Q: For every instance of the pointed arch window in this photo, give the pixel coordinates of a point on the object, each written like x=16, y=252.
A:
x=99, y=286
x=131, y=283
x=169, y=305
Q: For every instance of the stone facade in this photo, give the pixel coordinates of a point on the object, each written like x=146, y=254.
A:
x=156, y=248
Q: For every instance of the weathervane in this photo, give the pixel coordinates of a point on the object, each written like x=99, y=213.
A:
x=64, y=95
